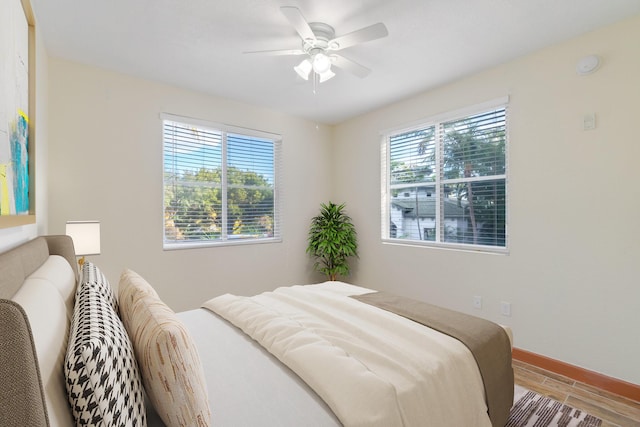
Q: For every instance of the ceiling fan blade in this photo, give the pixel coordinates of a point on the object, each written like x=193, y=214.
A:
x=372, y=32
x=296, y=19
x=350, y=66
x=279, y=52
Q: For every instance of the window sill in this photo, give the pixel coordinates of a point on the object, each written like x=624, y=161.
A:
x=207, y=244
x=489, y=250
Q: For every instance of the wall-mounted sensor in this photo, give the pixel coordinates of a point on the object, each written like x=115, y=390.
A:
x=588, y=65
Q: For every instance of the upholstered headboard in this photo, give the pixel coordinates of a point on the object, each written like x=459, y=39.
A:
x=18, y=263
x=22, y=394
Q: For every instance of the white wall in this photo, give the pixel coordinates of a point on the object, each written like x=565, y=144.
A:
x=10, y=237
x=105, y=157
x=572, y=274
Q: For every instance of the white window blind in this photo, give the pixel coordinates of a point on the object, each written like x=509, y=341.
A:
x=220, y=185
x=445, y=182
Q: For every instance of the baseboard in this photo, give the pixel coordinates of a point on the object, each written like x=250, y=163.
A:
x=613, y=385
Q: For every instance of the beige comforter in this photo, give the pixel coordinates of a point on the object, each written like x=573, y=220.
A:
x=371, y=367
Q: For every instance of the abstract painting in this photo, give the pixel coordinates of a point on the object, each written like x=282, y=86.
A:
x=14, y=109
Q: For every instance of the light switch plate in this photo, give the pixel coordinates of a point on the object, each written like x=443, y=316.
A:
x=589, y=121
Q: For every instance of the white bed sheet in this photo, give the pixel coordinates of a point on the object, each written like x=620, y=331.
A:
x=247, y=385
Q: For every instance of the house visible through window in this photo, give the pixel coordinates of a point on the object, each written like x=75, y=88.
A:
x=444, y=182
x=220, y=184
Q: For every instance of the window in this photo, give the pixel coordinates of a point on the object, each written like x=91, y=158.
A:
x=445, y=181
x=220, y=184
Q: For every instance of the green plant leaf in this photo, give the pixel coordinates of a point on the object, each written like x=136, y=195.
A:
x=332, y=239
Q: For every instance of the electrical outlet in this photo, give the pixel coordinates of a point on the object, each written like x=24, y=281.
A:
x=477, y=302
x=505, y=308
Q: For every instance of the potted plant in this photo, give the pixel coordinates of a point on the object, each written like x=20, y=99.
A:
x=332, y=240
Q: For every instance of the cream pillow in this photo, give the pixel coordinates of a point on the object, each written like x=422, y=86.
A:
x=168, y=358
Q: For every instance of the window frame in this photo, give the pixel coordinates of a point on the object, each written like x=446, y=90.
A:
x=436, y=121
x=225, y=130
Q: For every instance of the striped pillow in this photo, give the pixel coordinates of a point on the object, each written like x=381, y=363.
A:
x=169, y=361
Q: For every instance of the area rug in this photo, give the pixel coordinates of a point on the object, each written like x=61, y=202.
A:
x=533, y=410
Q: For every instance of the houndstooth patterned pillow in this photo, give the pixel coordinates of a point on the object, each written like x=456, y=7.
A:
x=102, y=377
x=90, y=275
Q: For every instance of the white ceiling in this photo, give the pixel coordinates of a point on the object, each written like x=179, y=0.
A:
x=198, y=44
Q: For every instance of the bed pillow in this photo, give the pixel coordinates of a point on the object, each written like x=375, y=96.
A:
x=135, y=284
x=92, y=276
x=59, y=273
x=102, y=377
x=169, y=361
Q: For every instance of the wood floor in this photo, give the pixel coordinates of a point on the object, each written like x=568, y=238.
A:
x=614, y=410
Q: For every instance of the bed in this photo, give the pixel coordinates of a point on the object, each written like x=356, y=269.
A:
x=300, y=355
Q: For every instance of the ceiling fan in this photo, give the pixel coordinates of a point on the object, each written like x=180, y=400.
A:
x=319, y=44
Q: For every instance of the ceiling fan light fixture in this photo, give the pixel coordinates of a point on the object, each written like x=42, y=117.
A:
x=319, y=42
x=321, y=63
x=304, y=69
x=326, y=75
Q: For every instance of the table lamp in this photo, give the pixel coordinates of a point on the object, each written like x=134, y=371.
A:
x=86, y=238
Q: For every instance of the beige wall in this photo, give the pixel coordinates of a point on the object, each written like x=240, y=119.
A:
x=105, y=151
x=572, y=274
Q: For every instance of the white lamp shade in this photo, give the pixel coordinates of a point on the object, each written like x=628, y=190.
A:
x=85, y=236
x=321, y=63
x=303, y=69
x=326, y=75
